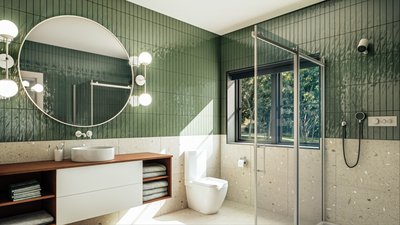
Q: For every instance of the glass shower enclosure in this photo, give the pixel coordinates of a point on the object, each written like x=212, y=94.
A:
x=288, y=120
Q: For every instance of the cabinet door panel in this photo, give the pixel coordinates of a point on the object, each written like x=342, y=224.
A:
x=91, y=178
x=87, y=205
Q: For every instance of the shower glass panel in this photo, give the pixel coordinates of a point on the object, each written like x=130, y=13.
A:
x=310, y=153
x=288, y=177
x=274, y=132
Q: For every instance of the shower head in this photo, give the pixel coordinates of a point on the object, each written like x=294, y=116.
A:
x=360, y=116
x=363, y=46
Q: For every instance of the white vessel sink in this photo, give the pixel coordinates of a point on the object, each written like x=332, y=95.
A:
x=92, y=153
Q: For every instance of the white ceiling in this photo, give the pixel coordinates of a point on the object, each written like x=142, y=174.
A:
x=223, y=16
x=78, y=33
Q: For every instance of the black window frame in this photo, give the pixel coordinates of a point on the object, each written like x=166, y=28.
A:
x=274, y=70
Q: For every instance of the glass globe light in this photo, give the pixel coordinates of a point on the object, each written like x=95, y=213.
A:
x=145, y=58
x=37, y=87
x=8, y=29
x=26, y=83
x=145, y=99
x=8, y=88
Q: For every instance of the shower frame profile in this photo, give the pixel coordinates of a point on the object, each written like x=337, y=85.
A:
x=297, y=55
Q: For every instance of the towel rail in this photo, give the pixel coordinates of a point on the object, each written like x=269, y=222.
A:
x=96, y=83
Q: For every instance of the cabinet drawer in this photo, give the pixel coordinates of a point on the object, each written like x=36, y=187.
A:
x=87, y=205
x=91, y=178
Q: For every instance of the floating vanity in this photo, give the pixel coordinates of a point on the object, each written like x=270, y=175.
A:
x=73, y=191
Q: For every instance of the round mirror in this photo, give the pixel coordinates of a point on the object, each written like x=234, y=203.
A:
x=75, y=71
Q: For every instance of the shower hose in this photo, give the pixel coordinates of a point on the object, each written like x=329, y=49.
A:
x=360, y=131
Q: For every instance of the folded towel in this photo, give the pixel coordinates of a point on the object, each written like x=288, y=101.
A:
x=155, y=184
x=154, y=174
x=154, y=196
x=35, y=218
x=153, y=167
x=154, y=191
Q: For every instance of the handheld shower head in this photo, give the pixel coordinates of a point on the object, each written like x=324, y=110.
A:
x=360, y=116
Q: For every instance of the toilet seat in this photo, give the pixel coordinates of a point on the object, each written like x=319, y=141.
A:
x=210, y=182
x=204, y=194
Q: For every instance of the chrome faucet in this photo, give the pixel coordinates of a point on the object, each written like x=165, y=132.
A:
x=88, y=134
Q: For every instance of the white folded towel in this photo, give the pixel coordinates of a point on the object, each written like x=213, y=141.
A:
x=154, y=196
x=35, y=218
x=155, y=184
x=154, y=174
x=154, y=191
x=153, y=167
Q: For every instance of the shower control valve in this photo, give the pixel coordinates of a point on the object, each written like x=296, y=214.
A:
x=382, y=121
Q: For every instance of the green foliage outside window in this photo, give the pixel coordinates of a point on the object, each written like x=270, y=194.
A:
x=282, y=132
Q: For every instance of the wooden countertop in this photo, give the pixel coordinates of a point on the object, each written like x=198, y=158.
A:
x=29, y=167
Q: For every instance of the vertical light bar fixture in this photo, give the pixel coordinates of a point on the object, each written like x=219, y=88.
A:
x=8, y=31
x=144, y=59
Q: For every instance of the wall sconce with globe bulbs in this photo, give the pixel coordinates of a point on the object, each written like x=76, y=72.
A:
x=8, y=31
x=35, y=87
x=144, y=59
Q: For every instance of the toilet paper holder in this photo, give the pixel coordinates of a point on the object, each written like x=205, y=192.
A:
x=242, y=162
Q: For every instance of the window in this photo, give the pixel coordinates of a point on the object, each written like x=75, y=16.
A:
x=275, y=105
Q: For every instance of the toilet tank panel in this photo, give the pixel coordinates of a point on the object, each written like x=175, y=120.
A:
x=195, y=164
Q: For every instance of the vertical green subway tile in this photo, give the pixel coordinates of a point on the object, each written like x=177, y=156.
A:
x=179, y=49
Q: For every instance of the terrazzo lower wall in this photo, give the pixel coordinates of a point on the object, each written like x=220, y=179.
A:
x=14, y=152
x=367, y=194
x=275, y=179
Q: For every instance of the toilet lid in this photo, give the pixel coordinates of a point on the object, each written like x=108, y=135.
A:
x=211, y=182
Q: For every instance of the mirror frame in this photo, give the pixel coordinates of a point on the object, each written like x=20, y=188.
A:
x=97, y=24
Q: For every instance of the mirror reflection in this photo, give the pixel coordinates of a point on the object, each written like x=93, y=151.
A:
x=75, y=71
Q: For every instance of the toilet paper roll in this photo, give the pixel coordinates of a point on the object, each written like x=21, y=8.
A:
x=241, y=162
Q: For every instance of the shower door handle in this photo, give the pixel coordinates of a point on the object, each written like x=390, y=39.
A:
x=263, y=161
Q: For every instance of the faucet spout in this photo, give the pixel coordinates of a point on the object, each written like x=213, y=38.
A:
x=79, y=134
x=88, y=134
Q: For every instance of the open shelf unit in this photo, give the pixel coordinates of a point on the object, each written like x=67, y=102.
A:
x=155, y=178
x=5, y=201
x=167, y=162
x=47, y=201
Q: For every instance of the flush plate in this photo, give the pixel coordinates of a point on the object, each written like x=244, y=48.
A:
x=382, y=121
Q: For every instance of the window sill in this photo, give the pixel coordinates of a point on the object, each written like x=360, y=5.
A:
x=271, y=145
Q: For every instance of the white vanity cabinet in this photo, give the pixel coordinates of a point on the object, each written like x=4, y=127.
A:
x=74, y=191
x=90, y=191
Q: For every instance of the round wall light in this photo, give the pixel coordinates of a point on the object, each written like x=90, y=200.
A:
x=145, y=58
x=8, y=88
x=8, y=30
x=145, y=99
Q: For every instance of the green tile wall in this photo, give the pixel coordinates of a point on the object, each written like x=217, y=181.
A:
x=183, y=77
x=353, y=82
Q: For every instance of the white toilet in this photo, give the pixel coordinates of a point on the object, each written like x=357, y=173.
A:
x=204, y=194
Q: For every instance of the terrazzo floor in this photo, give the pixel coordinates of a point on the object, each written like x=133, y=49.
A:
x=231, y=213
